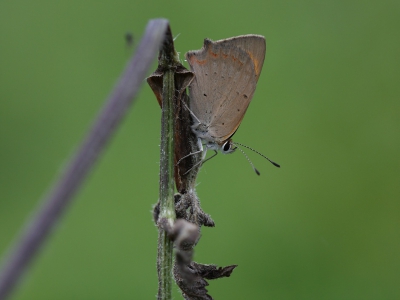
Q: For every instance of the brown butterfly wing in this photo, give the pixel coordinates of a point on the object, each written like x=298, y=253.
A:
x=254, y=45
x=226, y=74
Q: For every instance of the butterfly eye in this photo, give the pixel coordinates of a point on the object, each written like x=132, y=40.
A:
x=227, y=147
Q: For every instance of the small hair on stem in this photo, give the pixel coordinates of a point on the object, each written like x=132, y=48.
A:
x=176, y=36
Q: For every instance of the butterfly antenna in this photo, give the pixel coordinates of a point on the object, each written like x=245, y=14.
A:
x=272, y=162
x=248, y=159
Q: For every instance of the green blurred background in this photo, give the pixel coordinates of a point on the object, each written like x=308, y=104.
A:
x=324, y=226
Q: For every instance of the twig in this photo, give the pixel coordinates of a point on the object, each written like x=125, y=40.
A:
x=36, y=231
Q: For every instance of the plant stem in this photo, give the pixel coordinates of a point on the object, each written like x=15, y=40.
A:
x=167, y=60
x=167, y=209
x=50, y=211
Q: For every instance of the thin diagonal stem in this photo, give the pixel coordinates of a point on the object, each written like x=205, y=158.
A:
x=36, y=231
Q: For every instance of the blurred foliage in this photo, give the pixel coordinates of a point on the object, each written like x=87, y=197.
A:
x=324, y=226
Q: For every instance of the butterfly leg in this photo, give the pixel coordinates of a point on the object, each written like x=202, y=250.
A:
x=190, y=154
x=193, y=115
x=195, y=165
x=214, y=155
x=202, y=162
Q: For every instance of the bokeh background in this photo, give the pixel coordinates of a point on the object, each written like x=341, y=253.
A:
x=324, y=226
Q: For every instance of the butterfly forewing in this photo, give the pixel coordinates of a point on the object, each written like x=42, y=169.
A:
x=254, y=45
x=226, y=74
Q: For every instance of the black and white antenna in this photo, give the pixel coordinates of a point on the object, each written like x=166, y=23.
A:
x=248, y=159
